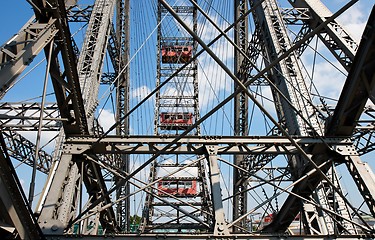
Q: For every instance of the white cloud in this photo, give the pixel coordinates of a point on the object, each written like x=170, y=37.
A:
x=106, y=119
x=212, y=78
x=186, y=172
x=354, y=20
x=328, y=80
x=45, y=138
x=140, y=93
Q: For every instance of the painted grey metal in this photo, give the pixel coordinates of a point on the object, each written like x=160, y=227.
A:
x=241, y=118
x=287, y=76
x=220, y=225
x=364, y=179
x=122, y=103
x=24, y=116
x=40, y=124
x=23, y=150
x=79, y=13
x=226, y=145
x=86, y=73
x=357, y=90
x=91, y=58
x=16, y=215
x=363, y=135
x=334, y=36
x=61, y=196
x=19, y=51
x=65, y=82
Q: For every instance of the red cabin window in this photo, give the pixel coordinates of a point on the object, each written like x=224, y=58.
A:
x=176, y=54
x=178, y=188
x=176, y=121
x=268, y=218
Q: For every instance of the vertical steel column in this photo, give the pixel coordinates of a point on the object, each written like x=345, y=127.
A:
x=220, y=225
x=240, y=114
x=37, y=144
x=122, y=104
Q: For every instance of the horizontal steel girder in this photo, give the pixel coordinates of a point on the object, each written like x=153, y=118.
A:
x=193, y=145
x=25, y=116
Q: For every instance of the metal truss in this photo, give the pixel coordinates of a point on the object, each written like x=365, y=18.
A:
x=240, y=114
x=20, y=50
x=79, y=13
x=225, y=145
x=25, y=116
x=356, y=92
x=121, y=64
x=295, y=15
x=333, y=35
x=23, y=150
x=287, y=77
x=363, y=136
x=66, y=170
x=66, y=83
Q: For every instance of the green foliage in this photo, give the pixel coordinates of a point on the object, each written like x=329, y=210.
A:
x=135, y=219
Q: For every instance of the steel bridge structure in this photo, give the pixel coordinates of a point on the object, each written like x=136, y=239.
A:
x=239, y=127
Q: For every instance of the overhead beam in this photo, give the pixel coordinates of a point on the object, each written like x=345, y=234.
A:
x=25, y=116
x=193, y=145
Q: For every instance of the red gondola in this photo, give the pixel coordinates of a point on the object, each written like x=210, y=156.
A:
x=268, y=219
x=180, y=188
x=173, y=121
x=176, y=54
